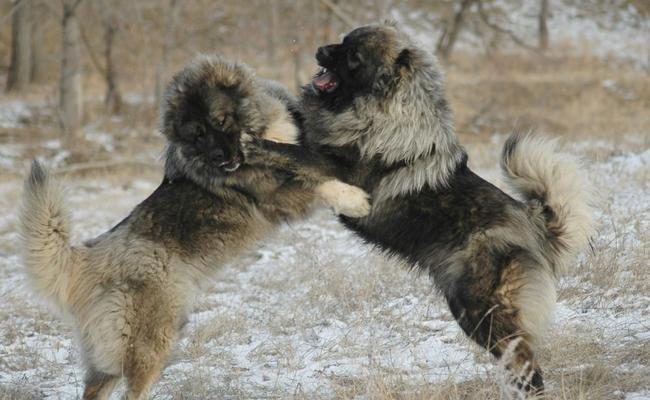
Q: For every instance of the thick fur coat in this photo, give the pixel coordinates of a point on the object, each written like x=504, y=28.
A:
x=130, y=290
x=378, y=110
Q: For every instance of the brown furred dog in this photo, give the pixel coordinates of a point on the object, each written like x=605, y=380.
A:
x=131, y=289
x=378, y=110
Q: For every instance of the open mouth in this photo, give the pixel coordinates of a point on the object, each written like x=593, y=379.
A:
x=325, y=81
x=232, y=164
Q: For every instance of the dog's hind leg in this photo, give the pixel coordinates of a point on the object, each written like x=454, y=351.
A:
x=141, y=379
x=155, y=328
x=98, y=385
x=145, y=365
x=485, y=304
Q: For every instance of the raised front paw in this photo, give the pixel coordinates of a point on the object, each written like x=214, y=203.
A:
x=249, y=146
x=345, y=199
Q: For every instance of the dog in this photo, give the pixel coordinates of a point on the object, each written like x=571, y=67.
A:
x=377, y=109
x=131, y=289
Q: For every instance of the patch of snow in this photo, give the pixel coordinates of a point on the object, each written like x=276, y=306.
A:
x=312, y=304
x=619, y=33
x=103, y=138
x=137, y=98
x=52, y=144
x=14, y=114
x=645, y=395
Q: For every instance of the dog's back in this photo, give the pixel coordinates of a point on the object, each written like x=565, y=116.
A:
x=378, y=107
x=131, y=289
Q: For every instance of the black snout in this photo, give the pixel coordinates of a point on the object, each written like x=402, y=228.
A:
x=325, y=53
x=217, y=154
x=212, y=147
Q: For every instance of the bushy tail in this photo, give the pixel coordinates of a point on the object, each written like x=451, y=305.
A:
x=46, y=236
x=553, y=181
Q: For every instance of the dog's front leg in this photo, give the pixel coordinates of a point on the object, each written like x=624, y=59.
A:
x=312, y=170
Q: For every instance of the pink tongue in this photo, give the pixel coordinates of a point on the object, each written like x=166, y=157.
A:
x=325, y=81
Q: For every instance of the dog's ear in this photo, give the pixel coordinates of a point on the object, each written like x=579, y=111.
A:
x=404, y=59
x=404, y=63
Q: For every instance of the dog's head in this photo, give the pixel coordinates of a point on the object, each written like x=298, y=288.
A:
x=381, y=93
x=370, y=61
x=207, y=107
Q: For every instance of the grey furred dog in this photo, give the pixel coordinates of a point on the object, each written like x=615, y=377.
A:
x=377, y=110
x=130, y=290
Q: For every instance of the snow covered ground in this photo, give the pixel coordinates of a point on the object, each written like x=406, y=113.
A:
x=617, y=32
x=314, y=313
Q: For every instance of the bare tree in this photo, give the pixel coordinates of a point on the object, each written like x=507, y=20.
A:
x=543, y=29
x=330, y=28
x=108, y=15
x=20, y=66
x=113, y=98
x=450, y=34
x=498, y=28
x=38, y=72
x=173, y=9
x=70, y=100
x=332, y=5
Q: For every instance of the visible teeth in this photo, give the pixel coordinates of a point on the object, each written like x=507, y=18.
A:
x=323, y=70
x=231, y=168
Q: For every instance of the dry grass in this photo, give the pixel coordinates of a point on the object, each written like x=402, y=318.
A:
x=582, y=97
x=310, y=300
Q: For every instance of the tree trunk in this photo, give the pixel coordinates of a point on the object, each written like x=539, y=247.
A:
x=272, y=32
x=168, y=42
x=20, y=65
x=113, y=98
x=543, y=29
x=329, y=34
x=38, y=73
x=70, y=100
x=447, y=42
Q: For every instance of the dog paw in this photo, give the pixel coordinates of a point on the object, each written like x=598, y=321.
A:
x=282, y=131
x=246, y=138
x=345, y=199
x=247, y=145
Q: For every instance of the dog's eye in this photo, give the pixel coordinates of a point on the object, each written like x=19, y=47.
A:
x=220, y=121
x=355, y=59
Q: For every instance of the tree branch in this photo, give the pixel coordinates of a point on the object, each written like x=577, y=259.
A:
x=499, y=29
x=10, y=13
x=75, y=5
x=351, y=23
x=93, y=57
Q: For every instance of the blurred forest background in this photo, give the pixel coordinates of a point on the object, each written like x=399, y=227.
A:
x=90, y=72
x=312, y=313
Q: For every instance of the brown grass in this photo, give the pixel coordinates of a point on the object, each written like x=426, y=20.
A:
x=556, y=94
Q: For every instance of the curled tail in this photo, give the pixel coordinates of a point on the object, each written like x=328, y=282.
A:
x=46, y=236
x=553, y=181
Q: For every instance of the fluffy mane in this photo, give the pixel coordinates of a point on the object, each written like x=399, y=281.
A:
x=403, y=120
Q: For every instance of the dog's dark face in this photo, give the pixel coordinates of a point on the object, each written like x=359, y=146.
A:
x=368, y=60
x=207, y=107
x=209, y=128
